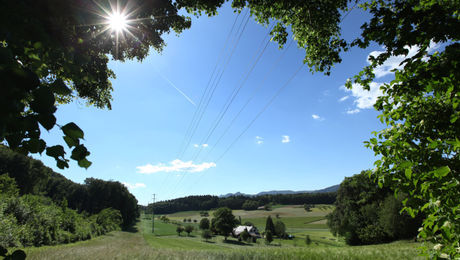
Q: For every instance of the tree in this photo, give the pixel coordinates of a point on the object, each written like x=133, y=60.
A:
x=308, y=207
x=268, y=236
x=245, y=235
x=224, y=221
x=179, y=229
x=269, y=226
x=250, y=205
x=204, y=223
x=55, y=52
x=368, y=214
x=308, y=240
x=280, y=229
x=206, y=234
x=8, y=187
x=189, y=229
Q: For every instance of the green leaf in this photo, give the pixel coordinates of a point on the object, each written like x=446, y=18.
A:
x=55, y=151
x=35, y=145
x=43, y=101
x=84, y=163
x=60, y=88
x=408, y=173
x=71, y=141
x=73, y=131
x=441, y=172
x=47, y=120
x=62, y=164
x=79, y=153
x=453, y=118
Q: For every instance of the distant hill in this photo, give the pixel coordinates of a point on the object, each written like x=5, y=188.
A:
x=333, y=188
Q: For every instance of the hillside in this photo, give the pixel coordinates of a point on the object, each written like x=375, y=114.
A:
x=333, y=188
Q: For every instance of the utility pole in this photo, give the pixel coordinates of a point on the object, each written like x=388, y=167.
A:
x=153, y=215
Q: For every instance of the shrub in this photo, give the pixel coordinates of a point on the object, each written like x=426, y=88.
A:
x=206, y=234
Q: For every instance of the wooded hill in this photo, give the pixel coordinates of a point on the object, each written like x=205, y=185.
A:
x=207, y=202
x=32, y=177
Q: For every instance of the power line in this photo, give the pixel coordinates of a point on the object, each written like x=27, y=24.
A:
x=214, y=88
x=200, y=105
x=256, y=90
x=209, y=81
x=260, y=113
x=233, y=95
x=212, y=92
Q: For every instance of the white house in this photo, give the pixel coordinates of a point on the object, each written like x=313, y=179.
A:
x=253, y=232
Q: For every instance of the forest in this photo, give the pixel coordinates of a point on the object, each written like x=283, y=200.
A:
x=41, y=207
x=207, y=202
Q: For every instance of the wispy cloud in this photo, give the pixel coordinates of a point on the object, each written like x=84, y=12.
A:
x=202, y=145
x=343, y=98
x=134, y=186
x=285, y=139
x=259, y=140
x=175, y=166
x=176, y=88
x=317, y=117
x=353, y=111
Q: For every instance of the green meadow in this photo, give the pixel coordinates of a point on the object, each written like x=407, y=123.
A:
x=165, y=243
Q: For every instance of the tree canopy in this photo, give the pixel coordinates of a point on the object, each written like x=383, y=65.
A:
x=368, y=214
x=224, y=221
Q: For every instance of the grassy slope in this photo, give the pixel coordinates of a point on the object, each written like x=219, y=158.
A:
x=166, y=244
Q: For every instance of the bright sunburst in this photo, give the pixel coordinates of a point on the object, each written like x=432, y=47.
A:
x=117, y=22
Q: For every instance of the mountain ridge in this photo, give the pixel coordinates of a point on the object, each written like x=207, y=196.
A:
x=332, y=188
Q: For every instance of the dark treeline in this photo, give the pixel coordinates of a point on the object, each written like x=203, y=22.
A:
x=208, y=202
x=32, y=177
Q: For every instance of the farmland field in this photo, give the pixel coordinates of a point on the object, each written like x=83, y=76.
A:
x=165, y=243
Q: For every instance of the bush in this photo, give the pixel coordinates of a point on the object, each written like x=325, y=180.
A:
x=307, y=240
x=189, y=229
x=206, y=234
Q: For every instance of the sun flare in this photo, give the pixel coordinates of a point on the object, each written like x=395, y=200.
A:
x=117, y=22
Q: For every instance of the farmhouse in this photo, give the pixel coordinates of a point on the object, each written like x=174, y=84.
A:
x=253, y=232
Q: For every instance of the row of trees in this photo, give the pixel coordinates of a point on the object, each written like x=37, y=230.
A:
x=34, y=220
x=32, y=177
x=368, y=214
x=208, y=202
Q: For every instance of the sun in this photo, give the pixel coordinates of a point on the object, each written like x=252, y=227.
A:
x=117, y=22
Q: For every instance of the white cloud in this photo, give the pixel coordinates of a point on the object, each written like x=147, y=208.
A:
x=394, y=62
x=285, y=139
x=175, y=166
x=317, y=117
x=343, y=98
x=134, y=186
x=353, y=111
x=203, y=145
x=365, y=98
x=259, y=140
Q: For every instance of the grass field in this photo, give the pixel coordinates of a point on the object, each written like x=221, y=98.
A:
x=166, y=244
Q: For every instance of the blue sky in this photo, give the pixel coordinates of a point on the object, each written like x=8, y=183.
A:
x=310, y=137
